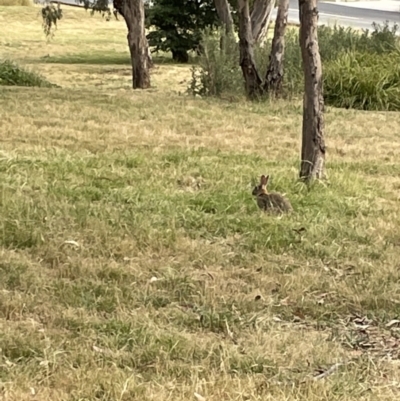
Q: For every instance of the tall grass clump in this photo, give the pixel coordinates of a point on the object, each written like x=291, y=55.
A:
x=12, y=74
x=337, y=45
x=363, y=81
x=217, y=71
x=359, y=69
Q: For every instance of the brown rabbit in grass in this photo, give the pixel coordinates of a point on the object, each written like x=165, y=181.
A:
x=270, y=202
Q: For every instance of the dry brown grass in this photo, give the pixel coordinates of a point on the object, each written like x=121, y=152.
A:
x=16, y=3
x=243, y=308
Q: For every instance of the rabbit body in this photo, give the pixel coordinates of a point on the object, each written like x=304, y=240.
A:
x=271, y=202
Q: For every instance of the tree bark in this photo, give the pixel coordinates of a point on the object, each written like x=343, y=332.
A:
x=149, y=58
x=224, y=13
x=313, y=138
x=253, y=82
x=133, y=13
x=260, y=18
x=275, y=71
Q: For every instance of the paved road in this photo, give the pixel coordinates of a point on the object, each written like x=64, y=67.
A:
x=334, y=13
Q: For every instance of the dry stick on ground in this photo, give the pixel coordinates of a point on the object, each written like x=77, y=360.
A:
x=329, y=371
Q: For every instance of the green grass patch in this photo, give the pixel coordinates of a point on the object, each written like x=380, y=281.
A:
x=363, y=81
x=134, y=262
x=90, y=58
x=11, y=74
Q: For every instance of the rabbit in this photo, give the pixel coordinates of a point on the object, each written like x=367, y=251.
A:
x=271, y=202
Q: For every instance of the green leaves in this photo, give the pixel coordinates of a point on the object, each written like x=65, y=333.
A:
x=50, y=15
x=360, y=70
x=13, y=75
x=177, y=25
x=364, y=81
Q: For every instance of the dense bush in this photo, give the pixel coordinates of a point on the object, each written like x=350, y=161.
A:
x=14, y=75
x=360, y=69
x=334, y=43
x=178, y=25
x=363, y=81
x=217, y=72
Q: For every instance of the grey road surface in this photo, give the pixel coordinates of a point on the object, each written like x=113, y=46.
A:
x=334, y=13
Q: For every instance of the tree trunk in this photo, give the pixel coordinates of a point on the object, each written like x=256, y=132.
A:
x=313, y=140
x=224, y=13
x=260, y=19
x=274, y=77
x=133, y=13
x=149, y=58
x=247, y=63
x=264, y=31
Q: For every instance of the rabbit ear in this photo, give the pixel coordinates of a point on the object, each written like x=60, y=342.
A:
x=264, y=180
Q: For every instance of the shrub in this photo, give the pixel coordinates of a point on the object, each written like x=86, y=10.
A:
x=13, y=75
x=363, y=81
x=217, y=72
x=359, y=69
x=334, y=42
x=179, y=24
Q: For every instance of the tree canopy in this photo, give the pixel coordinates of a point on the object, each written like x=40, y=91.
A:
x=178, y=24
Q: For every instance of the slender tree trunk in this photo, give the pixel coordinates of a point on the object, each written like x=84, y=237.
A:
x=260, y=18
x=149, y=57
x=263, y=34
x=253, y=82
x=275, y=71
x=313, y=141
x=133, y=13
x=224, y=13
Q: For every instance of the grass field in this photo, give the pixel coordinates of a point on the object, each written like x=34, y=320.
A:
x=134, y=264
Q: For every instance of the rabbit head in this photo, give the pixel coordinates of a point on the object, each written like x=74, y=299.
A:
x=261, y=188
